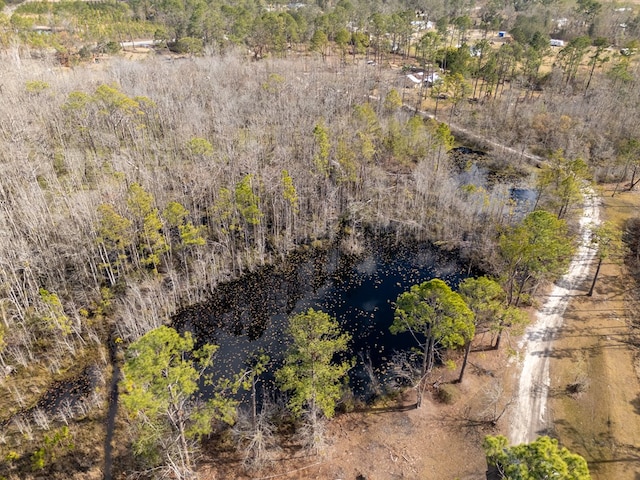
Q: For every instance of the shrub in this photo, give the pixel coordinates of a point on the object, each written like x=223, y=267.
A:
x=12, y=456
x=36, y=86
x=193, y=46
x=447, y=394
x=38, y=461
x=112, y=47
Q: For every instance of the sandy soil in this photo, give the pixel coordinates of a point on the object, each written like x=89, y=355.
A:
x=398, y=441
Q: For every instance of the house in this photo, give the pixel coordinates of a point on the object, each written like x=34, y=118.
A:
x=419, y=25
x=431, y=78
x=412, y=81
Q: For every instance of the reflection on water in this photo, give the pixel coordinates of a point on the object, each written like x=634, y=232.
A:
x=251, y=313
x=524, y=198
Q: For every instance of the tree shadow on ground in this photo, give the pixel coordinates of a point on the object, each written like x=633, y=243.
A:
x=601, y=449
x=636, y=404
x=571, y=352
x=386, y=409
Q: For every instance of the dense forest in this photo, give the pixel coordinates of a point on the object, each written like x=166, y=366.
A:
x=132, y=189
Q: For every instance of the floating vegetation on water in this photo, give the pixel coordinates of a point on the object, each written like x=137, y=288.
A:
x=251, y=313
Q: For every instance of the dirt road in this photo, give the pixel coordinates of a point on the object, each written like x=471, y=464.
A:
x=595, y=367
x=529, y=416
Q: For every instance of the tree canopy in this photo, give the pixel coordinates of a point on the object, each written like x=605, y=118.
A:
x=310, y=373
x=540, y=459
x=162, y=372
x=436, y=316
x=537, y=249
x=488, y=301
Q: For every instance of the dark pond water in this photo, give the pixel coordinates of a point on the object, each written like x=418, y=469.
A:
x=64, y=397
x=525, y=199
x=251, y=313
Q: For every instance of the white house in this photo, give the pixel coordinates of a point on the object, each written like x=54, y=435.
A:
x=412, y=81
x=431, y=78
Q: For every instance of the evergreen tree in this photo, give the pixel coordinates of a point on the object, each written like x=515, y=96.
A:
x=543, y=458
x=151, y=244
x=488, y=301
x=537, y=249
x=310, y=373
x=436, y=316
x=114, y=237
x=162, y=372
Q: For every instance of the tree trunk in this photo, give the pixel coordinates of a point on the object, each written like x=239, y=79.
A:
x=621, y=179
x=254, y=410
x=425, y=357
x=420, y=93
x=563, y=209
x=186, y=454
x=595, y=278
x=593, y=67
x=510, y=284
x=317, y=440
x=539, y=192
x=467, y=348
x=633, y=182
x=498, y=338
x=525, y=277
x=427, y=350
x=430, y=361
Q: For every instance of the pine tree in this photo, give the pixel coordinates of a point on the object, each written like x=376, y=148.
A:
x=162, y=372
x=309, y=372
x=436, y=316
x=543, y=458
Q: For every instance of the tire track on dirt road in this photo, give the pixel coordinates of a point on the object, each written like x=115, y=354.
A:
x=529, y=416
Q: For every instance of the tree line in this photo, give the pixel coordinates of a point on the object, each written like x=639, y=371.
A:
x=349, y=26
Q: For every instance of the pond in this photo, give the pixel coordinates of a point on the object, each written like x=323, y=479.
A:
x=251, y=314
